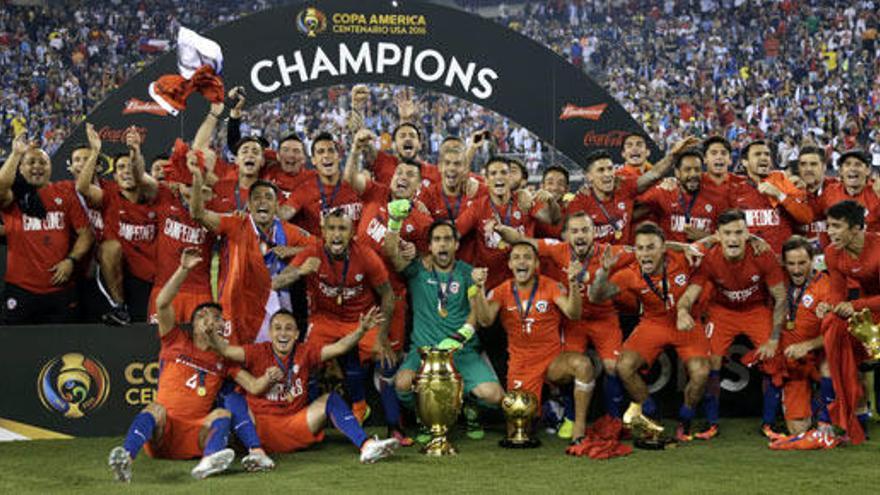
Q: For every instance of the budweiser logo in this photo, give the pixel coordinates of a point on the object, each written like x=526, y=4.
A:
x=110, y=134
x=134, y=105
x=611, y=139
x=575, y=112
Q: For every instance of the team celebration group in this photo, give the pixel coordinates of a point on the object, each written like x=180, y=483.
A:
x=263, y=270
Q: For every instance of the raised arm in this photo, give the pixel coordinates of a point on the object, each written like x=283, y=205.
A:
x=551, y=213
x=20, y=146
x=352, y=174
x=292, y=273
x=85, y=184
x=371, y=319
x=206, y=130
x=145, y=182
x=571, y=303
x=189, y=259
x=209, y=219
x=233, y=124
x=662, y=167
x=484, y=311
x=602, y=289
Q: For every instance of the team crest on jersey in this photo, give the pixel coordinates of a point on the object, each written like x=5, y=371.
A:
x=409, y=228
x=11, y=303
x=359, y=277
x=58, y=201
x=151, y=215
x=755, y=278
x=453, y=287
x=517, y=215
x=295, y=369
x=808, y=300
x=541, y=306
x=551, y=241
x=621, y=206
x=680, y=279
x=709, y=208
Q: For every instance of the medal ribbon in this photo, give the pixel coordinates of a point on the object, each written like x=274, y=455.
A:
x=690, y=206
x=441, y=292
x=506, y=219
x=524, y=314
x=288, y=368
x=452, y=214
x=341, y=284
x=325, y=204
x=612, y=220
x=664, y=296
x=793, y=298
x=586, y=263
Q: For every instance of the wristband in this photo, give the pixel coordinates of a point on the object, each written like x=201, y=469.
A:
x=464, y=333
x=394, y=225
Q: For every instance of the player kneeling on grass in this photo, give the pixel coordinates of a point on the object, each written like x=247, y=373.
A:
x=532, y=308
x=285, y=421
x=181, y=423
x=657, y=282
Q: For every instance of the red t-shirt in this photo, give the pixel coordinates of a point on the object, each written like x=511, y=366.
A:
x=229, y=197
x=292, y=393
x=863, y=272
x=677, y=209
x=818, y=228
x=740, y=284
x=185, y=369
x=177, y=231
x=34, y=246
x=385, y=164
x=774, y=224
x=288, y=182
x=807, y=326
x=536, y=333
x=612, y=215
x=443, y=207
x=134, y=226
x=633, y=285
x=835, y=193
x=311, y=205
x=94, y=215
x=365, y=273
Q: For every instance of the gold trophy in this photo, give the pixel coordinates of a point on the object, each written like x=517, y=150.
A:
x=439, y=388
x=519, y=408
x=648, y=434
x=863, y=328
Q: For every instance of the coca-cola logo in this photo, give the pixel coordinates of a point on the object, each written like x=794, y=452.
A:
x=610, y=139
x=134, y=105
x=589, y=113
x=112, y=135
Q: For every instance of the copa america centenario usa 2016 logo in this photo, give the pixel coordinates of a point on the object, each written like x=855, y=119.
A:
x=73, y=385
x=311, y=21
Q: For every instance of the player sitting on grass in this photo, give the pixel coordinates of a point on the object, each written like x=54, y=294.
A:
x=181, y=424
x=285, y=421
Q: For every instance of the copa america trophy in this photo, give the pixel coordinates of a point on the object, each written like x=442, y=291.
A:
x=863, y=328
x=519, y=408
x=439, y=388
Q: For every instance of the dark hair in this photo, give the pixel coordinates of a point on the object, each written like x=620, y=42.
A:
x=262, y=183
x=849, y=211
x=322, y=136
x=556, y=168
x=411, y=164
x=497, y=159
x=853, y=153
x=442, y=223
x=634, y=134
x=525, y=243
x=117, y=156
x=519, y=164
x=716, y=140
x=406, y=124
x=595, y=156
x=694, y=152
x=797, y=242
x=812, y=150
x=282, y=312
x=731, y=215
x=250, y=139
x=649, y=228
x=161, y=156
x=576, y=214
x=756, y=142
x=451, y=138
x=80, y=146
x=337, y=212
x=203, y=306
x=290, y=137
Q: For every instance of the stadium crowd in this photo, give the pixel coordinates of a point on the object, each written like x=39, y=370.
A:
x=222, y=244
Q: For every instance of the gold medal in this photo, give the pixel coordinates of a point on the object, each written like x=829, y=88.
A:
x=789, y=325
x=618, y=234
x=502, y=245
x=339, y=299
x=442, y=312
x=202, y=391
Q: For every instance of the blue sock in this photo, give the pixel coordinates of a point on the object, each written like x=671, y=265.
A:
x=140, y=431
x=314, y=388
x=826, y=392
x=712, y=397
x=772, y=398
x=218, y=436
x=613, y=395
x=389, y=396
x=243, y=427
x=355, y=376
x=863, y=420
x=685, y=414
x=343, y=419
x=567, y=400
x=649, y=407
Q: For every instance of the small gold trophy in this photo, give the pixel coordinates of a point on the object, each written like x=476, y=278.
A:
x=439, y=388
x=519, y=408
x=648, y=434
x=863, y=328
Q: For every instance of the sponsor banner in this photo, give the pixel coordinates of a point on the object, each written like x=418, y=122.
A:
x=312, y=45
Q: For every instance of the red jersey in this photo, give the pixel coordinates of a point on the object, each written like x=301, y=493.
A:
x=177, y=231
x=385, y=164
x=770, y=221
x=632, y=171
x=863, y=271
x=189, y=378
x=557, y=255
x=443, y=207
x=818, y=228
x=739, y=284
x=292, y=393
x=229, y=197
x=343, y=290
x=312, y=199
x=489, y=250
x=806, y=299
x=612, y=218
x=134, y=226
x=678, y=209
x=532, y=331
x=94, y=215
x=659, y=297
x=835, y=193
x=288, y=182
x=35, y=245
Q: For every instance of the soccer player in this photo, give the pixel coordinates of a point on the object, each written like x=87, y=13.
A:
x=657, y=282
x=182, y=422
x=555, y=180
x=249, y=161
x=446, y=198
x=609, y=199
x=531, y=309
x=717, y=156
x=440, y=286
x=853, y=185
x=811, y=170
x=285, y=421
x=47, y=235
x=291, y=170
x=742, y=282
x=772, y=205
x=635, y=154
x=519, y=175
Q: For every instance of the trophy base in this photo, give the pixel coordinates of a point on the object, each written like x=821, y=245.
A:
x=530, y=443
x=439, y=447
x=655, y=443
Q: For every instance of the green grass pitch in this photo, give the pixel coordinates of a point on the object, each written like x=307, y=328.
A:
x=736, y=462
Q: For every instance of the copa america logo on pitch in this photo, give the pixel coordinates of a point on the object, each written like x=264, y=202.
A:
x=73, y=384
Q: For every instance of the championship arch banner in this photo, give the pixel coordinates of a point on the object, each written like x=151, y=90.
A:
x=323, y=43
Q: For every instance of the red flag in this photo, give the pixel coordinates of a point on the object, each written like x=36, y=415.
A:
x=844, y=354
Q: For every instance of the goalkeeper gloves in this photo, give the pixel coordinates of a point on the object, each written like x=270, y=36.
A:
x=398, y=210
x=458, y=339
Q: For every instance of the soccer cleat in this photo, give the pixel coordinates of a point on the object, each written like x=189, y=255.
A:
x=709, y=433
x=474, y=430
x=401, y=438
x=565, y=429
x=683, y=433
x=257, y=462
x=361, y=411
x=117, y=317
x=768, y=432
x=375, y=449
x=212, y=464
x=120, y=463
x=633, y=418
x=809, y=440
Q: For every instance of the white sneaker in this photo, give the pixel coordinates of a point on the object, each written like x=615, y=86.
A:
x=256, y=462
x=213, y=464
x=375, y=449
x=120, y=463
